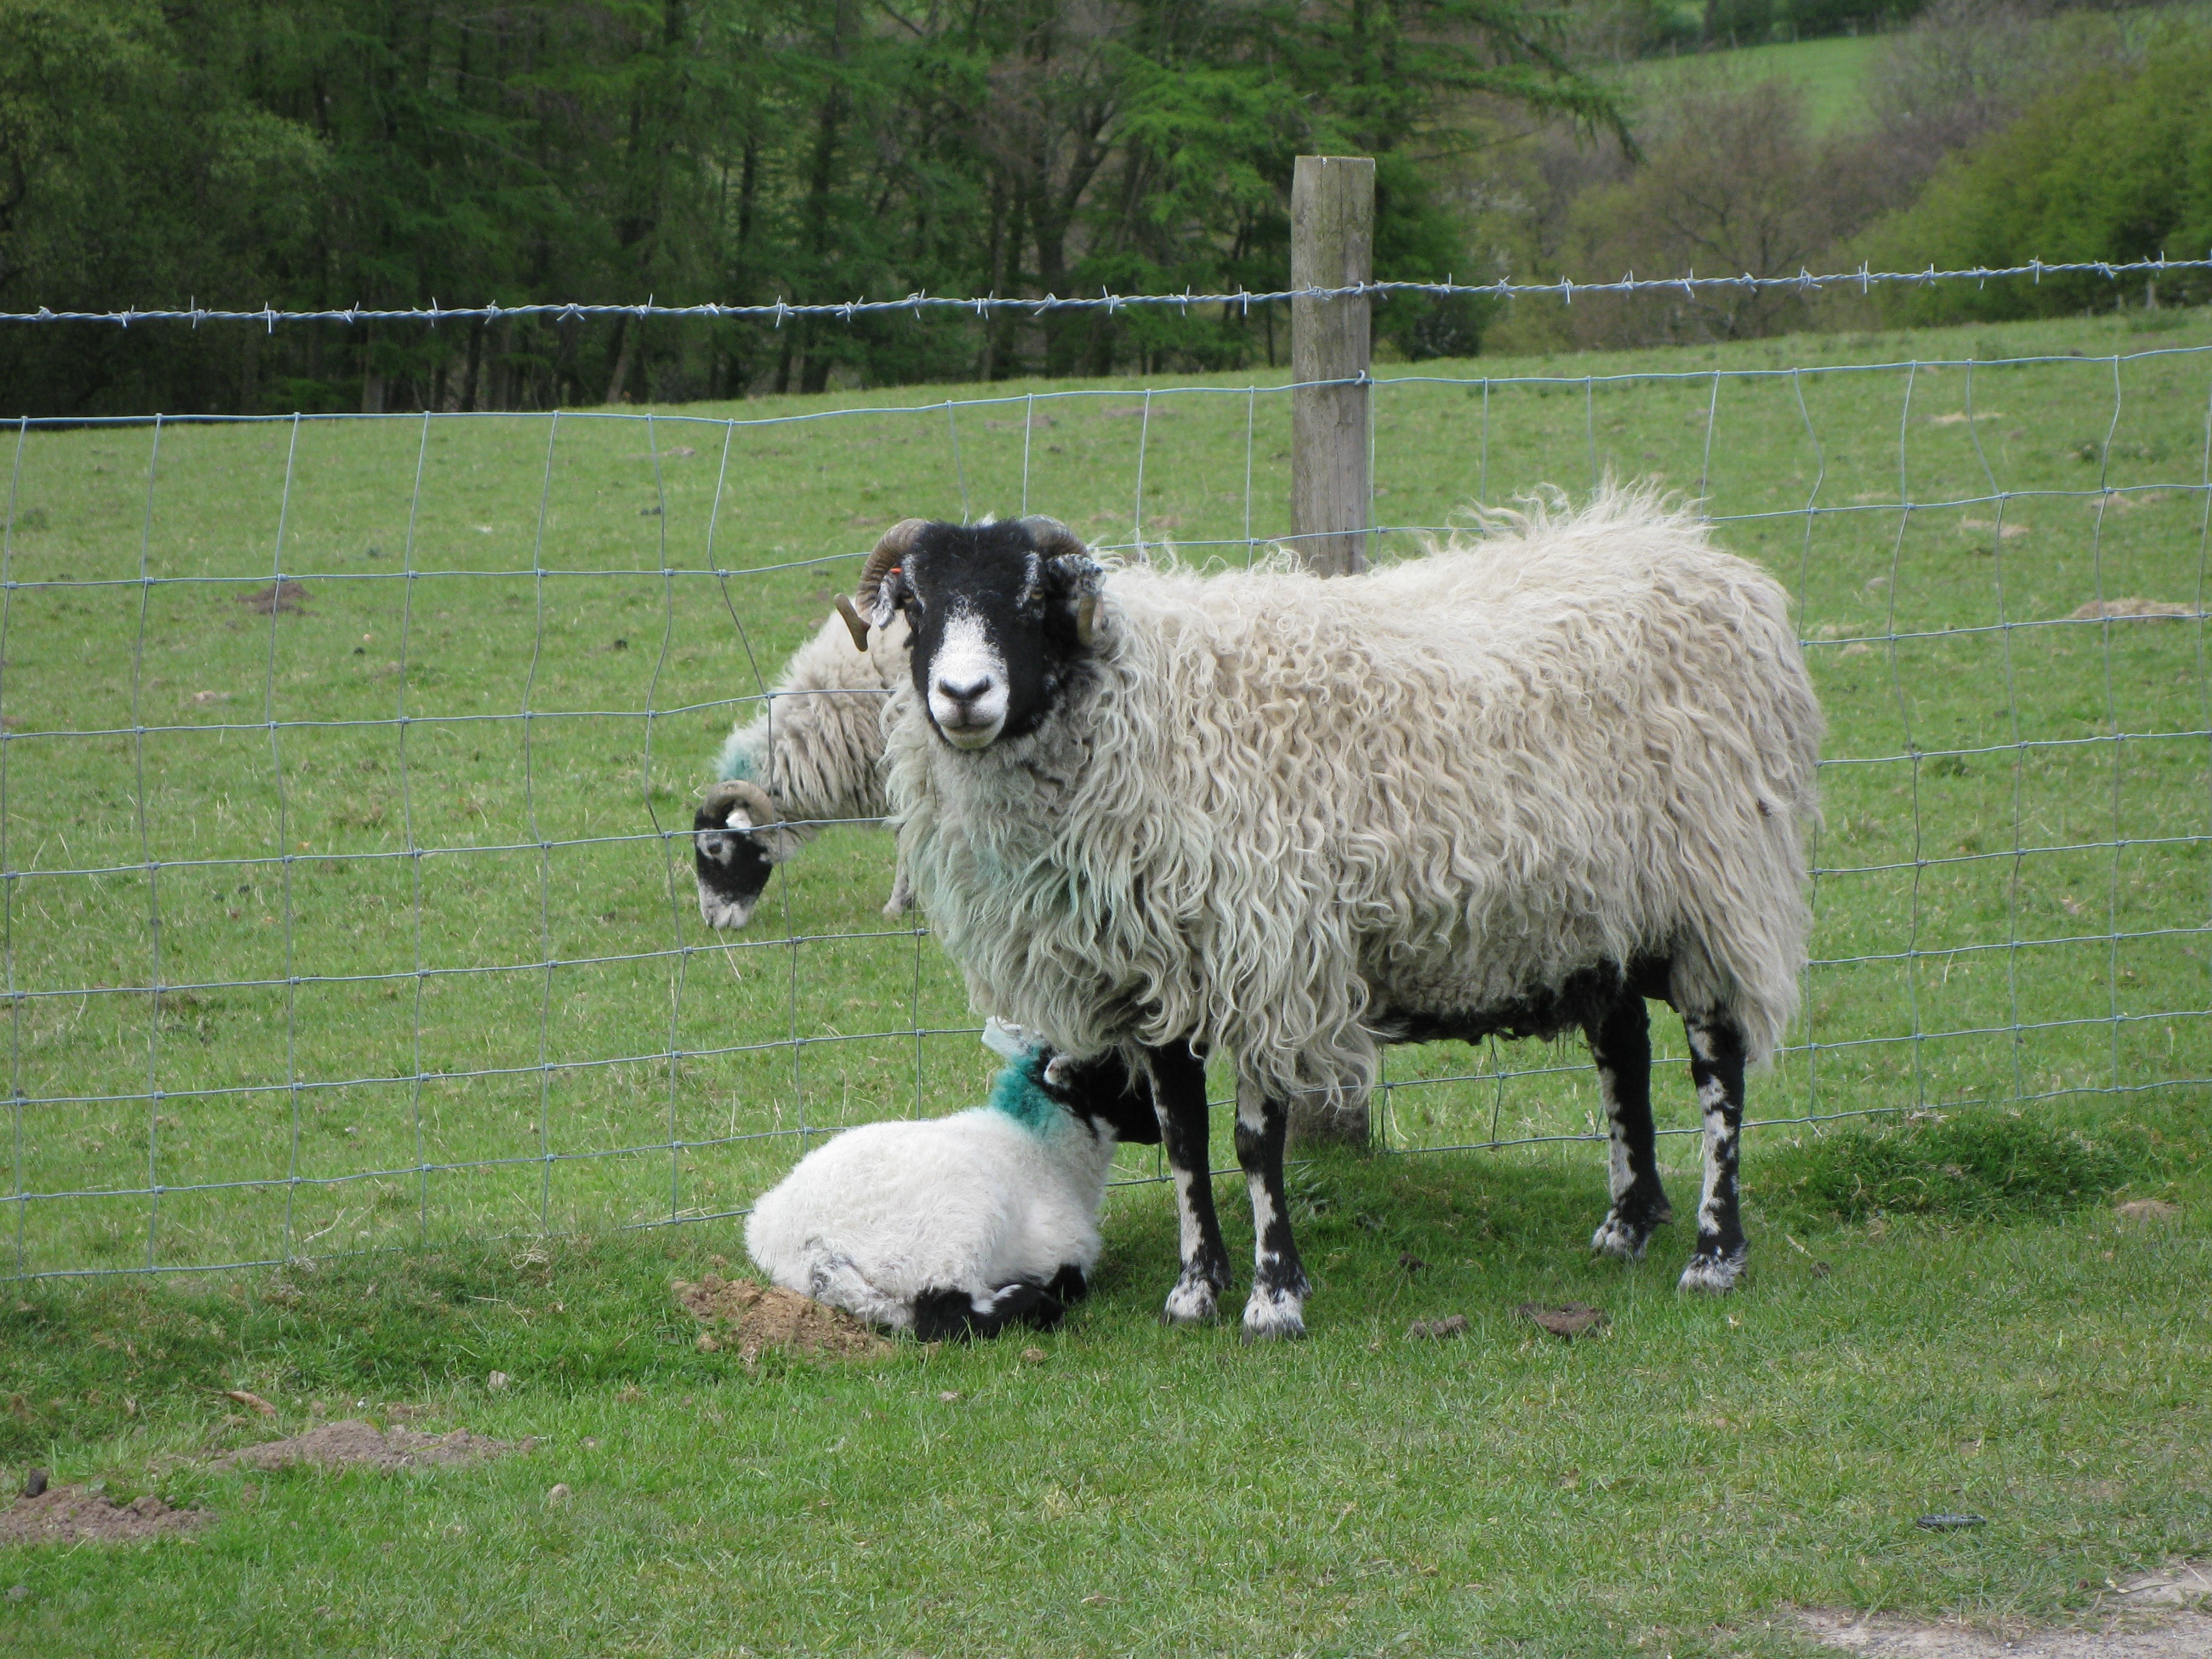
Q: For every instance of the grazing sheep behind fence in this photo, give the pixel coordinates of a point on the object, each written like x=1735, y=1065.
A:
x=813, y=754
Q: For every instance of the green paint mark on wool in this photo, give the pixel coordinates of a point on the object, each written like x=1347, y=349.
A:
x=1017, y=1093
x=736, y=761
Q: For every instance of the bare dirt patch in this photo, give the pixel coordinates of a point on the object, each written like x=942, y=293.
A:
x=72, y=1515
x=352, y=1442
x=2151, y=1616
x=2128, y=609
x=279, y=599
x=2146, y=1209
x=1436, y=1330
x=750, y=1317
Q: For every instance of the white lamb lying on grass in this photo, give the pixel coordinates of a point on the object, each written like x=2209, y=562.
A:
x=959, y=1226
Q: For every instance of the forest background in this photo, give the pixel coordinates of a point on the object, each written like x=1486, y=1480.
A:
x=394, y=152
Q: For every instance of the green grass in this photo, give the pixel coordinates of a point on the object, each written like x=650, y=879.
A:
x=1674, y=1486
x=357, y=1046
x=1833, y=72
x=2011, y=920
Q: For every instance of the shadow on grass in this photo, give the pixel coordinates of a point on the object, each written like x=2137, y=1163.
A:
x=1985, y=1167
x=89, y=1362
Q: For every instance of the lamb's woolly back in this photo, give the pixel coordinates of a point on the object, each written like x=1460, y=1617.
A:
x=817, y=745
x=1276, y=800
x=884, y=1217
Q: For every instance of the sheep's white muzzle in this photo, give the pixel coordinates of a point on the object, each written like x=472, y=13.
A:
x=968, y=685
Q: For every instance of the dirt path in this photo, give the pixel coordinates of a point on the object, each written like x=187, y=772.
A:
x=2152, y=1616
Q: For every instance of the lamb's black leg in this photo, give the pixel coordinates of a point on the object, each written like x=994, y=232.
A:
x=1179, y=1096
x=1620, y=1043
x=1716, y=1059
x=956, y=1316
x=1276, y=1310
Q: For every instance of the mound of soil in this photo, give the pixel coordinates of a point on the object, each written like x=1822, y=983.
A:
x=280, y=598
x=72, y=1515
x=340, y=1444
x=1569, y=1319
x=756, y=1317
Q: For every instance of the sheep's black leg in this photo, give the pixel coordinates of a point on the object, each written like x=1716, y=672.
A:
x=1276, y=1311
x=1716, y=1059
x=956, y=1316
x=1179, y=1098
x=1620, y=1043
x=1068, y=1284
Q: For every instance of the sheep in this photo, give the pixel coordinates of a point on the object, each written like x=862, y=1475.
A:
x=1518, y=786
x=960, y=1226
x=812, y=754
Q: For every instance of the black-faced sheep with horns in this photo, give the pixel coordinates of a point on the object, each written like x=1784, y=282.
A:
x=813, y=754
x=1518, y=786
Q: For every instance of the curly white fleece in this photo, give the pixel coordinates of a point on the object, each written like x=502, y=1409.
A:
x=817, y=745
x=1279, y=806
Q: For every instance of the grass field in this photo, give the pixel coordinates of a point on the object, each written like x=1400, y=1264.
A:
x=427, y=971
x=1675, y=1485
x=1833, y=72
x=427, y=966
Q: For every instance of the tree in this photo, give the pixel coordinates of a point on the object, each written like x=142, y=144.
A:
x=2115, y=165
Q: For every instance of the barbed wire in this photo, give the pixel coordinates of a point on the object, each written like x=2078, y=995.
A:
x=781, y=312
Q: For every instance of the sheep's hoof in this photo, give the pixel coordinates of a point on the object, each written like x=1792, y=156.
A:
x=1617, y=1237
x=1715, y=1273
x=1193, y=1302
x=1274, y=1316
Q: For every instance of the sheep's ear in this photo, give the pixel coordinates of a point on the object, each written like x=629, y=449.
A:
x=1073, y=580
x=890, y=594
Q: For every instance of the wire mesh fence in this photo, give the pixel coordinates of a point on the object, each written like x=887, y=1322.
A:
x=347, y=765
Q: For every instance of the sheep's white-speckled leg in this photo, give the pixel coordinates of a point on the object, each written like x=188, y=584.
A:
x=1717, y=1061
x=1620, y=1043
x=1179, y=1098
x=1276, y=1309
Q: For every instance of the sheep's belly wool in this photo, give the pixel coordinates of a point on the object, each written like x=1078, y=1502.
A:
x=887, y=1212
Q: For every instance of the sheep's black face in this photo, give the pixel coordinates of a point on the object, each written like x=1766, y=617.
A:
x=993, y=611
x=1106, y=1094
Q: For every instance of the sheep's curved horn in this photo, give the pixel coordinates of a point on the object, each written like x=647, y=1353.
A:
x=1053, y=539
x=898, y=541
x=1056, y=541
x=854, y=622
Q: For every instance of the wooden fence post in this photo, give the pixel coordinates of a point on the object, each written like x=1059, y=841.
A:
x=1332, y=246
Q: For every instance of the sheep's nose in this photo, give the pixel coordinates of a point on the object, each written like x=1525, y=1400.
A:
x=964, y=694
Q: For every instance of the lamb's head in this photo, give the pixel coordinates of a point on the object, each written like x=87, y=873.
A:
x=999, y=615
x=1039, y=1084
